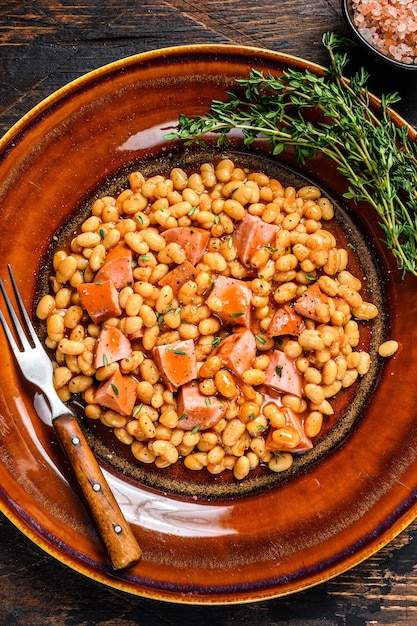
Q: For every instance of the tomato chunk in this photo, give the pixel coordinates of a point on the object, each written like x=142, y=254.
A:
x=237, y=350
x=196, y=409
x=100, y=300
x=117, y=393
x=306, y=305
x=282, y=375
x=230, y=299
x=117, y=267
x=285, y=322
x=177, y=277
x=251, y=235
x=112, y=345
x=176, y=362
x=192, y=240
x=292, y=420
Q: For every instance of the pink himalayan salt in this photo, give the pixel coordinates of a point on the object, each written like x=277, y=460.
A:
x=390, y=26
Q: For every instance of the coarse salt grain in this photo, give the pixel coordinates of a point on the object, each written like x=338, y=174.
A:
x=390, y=26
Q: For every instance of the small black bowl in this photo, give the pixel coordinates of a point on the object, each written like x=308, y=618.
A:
x=348, y=14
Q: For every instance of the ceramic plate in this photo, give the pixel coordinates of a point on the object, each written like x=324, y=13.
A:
x=205, y=539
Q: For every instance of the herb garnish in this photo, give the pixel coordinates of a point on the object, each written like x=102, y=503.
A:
x=377, y=157
x=270, y=248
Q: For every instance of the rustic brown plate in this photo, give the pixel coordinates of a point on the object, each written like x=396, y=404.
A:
x=204, y=540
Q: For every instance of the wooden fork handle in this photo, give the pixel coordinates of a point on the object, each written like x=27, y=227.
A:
x=115, y=533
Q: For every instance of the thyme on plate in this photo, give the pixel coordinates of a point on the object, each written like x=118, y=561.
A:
x=376, y=156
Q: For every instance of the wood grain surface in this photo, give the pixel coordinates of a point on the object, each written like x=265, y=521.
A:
x=44, y=44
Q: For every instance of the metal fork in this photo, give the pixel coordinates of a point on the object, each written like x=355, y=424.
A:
x=36, y=366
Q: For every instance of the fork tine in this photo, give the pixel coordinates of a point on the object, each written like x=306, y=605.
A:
x=8, y=333
x=16, y=322
x=22, y=308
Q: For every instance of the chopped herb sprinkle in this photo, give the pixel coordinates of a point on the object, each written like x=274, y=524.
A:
x=270, y=249
x=138, y=409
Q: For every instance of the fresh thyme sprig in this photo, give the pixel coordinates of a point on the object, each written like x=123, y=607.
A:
x=375, y=155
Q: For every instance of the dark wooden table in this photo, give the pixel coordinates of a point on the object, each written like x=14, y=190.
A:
x=43, y=45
